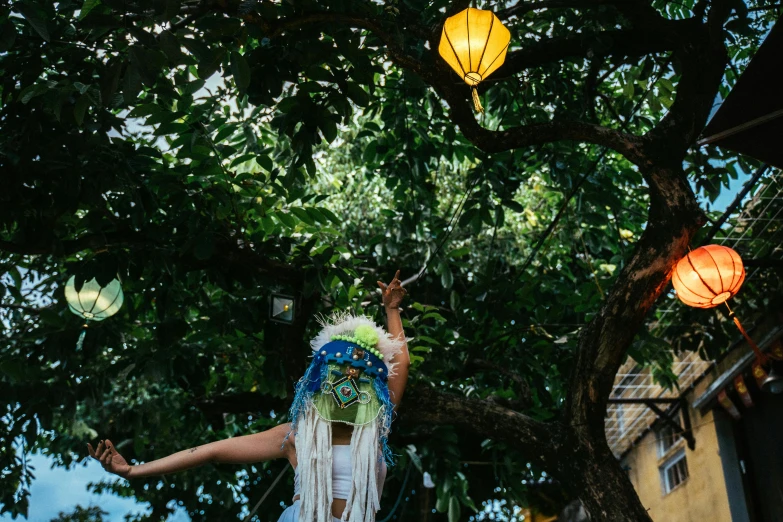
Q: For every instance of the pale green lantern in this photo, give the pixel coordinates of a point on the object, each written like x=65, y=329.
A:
x=93, y=302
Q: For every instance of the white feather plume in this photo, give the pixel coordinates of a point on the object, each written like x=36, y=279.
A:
x=345, y=323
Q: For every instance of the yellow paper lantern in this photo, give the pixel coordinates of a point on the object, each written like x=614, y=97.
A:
x=474, y=43
x=93, y=302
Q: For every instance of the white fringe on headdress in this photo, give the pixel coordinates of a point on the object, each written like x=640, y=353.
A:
x=314, y=462
x=314, y=456
x=363, y=501
x=344, y=322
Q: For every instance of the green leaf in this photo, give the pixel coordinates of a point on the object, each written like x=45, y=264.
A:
x=81, y=87
x=319, y=74
x=459, y=252
x=145, y=109
x=447, y=279
x=454, y=509
x=434, y=315
x=316, y=215
x=286, y=105
x=225, y=132
x=209, y=66
x=7, y=36
x=303, y=215
x=265, y=162
x=80, y=108
x=329, y=129
x=241, y=159
x=513, y=205
x=241, y=70
x=170, y=46
x=442, y=504
x=286, y=219
x=453, y=301
x=171, y=128
x=268, y=224
x=32, y=91
x=369, y=152
x=357, y=94
x=330, y=215
x=88, y=6
x=34, y=17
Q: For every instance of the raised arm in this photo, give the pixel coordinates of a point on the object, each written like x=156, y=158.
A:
x=258, y=447
x=393, y=294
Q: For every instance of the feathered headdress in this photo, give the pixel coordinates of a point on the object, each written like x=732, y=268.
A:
x=347, y=381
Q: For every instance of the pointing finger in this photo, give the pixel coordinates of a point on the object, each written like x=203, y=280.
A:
x=106, y=460
x=90, y=450
x=106, y=453
x=397, y=275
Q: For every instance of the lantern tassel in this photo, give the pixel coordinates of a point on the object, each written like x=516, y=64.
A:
x=477, y=101
x=759, y=354
x=80, y=341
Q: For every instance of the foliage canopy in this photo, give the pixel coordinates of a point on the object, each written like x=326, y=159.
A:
x=211, y=153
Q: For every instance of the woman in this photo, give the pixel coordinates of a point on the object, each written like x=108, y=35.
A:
x=341, y=417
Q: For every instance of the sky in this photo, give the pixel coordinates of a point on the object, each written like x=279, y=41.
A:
x=56, y=490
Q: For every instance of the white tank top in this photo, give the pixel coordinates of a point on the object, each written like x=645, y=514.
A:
x=341, y=473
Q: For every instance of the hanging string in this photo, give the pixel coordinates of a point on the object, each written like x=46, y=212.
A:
x=399, y=497
x=477, y=101
x=268, y=491
x=80, y=341
x=760, y=356
x=450, y=226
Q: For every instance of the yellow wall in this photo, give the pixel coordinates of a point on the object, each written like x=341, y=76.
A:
x=529, y=516
x=702, y=497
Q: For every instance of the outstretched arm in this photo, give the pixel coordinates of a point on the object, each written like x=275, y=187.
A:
x=393, y=294
x=236, y=450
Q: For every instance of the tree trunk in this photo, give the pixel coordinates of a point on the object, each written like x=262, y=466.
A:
x=596, y=478
x=586, y=465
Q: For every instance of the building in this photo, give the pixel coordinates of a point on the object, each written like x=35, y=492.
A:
x=711, y=447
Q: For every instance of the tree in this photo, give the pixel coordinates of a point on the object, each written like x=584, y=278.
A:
x=212, y=152
x=80, y=514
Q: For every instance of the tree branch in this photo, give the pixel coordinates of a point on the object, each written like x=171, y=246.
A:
x=703, y=59
x=434, y=407
x=238, y=403
x=522, y=8
x=658, y=36
x=28, y=309
x=228, y=256
x=523, y=389
x=425, y=406
x=620, y=42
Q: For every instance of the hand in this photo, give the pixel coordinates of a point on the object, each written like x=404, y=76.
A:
x=393, y=293
x=111, y=461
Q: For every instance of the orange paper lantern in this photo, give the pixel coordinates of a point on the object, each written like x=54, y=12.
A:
x=708, y=276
